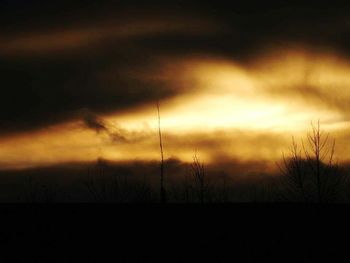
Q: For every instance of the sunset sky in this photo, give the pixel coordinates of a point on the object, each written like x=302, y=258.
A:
x=81, y=81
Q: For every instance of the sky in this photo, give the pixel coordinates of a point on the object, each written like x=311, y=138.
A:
x=235, y=81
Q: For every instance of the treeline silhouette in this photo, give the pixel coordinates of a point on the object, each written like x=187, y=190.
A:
x=309, y=173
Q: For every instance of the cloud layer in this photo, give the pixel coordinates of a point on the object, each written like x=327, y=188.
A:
x=54, y=57
x=80, y=81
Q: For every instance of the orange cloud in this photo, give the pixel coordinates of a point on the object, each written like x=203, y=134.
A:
x=232, y=111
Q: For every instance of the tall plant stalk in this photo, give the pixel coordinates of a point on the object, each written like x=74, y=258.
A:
x=162, y=189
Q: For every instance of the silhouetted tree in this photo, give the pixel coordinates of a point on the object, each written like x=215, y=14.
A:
x=310, y=174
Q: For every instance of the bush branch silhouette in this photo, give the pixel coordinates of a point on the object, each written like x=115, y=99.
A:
x=310, y=174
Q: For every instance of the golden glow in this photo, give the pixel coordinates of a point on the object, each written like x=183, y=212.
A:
x=245, y=112
x=228, y=97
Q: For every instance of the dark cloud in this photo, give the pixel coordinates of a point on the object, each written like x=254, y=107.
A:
x=37, y=93
x=92, y=121
x=52, y=53
x=114, y=132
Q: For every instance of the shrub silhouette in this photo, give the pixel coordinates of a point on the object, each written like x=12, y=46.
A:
x=199, y=185
x=104, y=185
x=39, y=192
x=310, y=174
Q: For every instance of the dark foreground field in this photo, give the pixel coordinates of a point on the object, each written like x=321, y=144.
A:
x=117, y=215
x=174, y=233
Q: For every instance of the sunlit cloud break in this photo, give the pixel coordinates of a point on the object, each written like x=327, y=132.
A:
x=221, y=107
